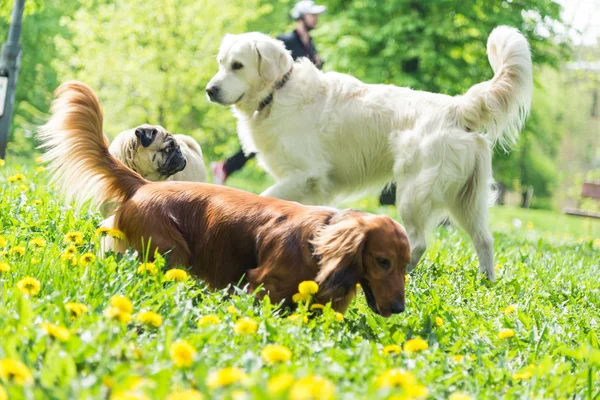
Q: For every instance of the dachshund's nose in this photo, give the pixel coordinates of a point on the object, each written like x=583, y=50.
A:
x=397, y=307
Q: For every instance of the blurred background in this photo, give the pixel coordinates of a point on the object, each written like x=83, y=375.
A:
x=149, y=61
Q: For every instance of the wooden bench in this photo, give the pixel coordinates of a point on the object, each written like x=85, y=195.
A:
x=588, y=190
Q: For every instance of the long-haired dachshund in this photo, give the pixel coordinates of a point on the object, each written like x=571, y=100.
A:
x=226, y=234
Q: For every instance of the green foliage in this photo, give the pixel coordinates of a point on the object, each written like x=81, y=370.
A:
x=548, y=269
x=150, y=60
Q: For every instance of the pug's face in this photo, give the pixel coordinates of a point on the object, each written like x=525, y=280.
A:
x=157, y=155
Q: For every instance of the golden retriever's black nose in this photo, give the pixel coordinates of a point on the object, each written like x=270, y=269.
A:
x=212, y=91
x=397, y=307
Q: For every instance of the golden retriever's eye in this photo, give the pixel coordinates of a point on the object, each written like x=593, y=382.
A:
x=383, y=263
x=237, y=66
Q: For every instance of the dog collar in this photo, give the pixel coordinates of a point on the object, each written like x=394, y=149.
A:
x=278, y=85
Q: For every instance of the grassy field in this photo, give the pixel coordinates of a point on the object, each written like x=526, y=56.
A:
x=75, y=326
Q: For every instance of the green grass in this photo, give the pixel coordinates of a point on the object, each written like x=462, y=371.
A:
x=548, y=269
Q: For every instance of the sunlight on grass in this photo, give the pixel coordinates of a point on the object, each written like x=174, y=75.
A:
x=74, y=325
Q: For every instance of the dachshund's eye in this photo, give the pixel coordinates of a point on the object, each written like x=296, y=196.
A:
x=237, y=66
x=383, y=263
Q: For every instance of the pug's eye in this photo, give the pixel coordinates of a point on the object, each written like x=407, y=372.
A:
x=383, y=263
x=237, y=66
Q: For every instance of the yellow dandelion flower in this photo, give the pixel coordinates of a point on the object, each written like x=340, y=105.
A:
x=392, y=349
x=301, y=298
x=232, y=310
x=190, y=394
x=499, y=266
x=23, y=188
x=4, y=267
x=308, y=287
x=312, y=387
x=55, y=331
x=39, y=159
x=18, y=251
x=225, y=377
x=529, y=225
x=75, y=238
x=149, y=318
x=15, y=371
x=147, y=267
x=406, y=278
x=358, y=287
x=76, y=309
x=176, y=274
x=116, y=234
x=339, y=316
x=279, y=383
x=522, y=375
x=116, y=314
x=17, y=178
x=506, y=333
x=296, y=318
x=317, y=306
x=102, y=231
x=245, y=326
x=439, y=321
x=38, y=243
x=274, y=353
x=510, y=309
x=396, y=378
x=458, y=357
x=415, y=344
x=459, y=396
x=70, y=251
x=2, y=241
x=87, y=258
x=182, y=353
x=38, y=202
x=29, y=285
x=122, y=303
x=120, y=309
x=208, y=320
x=129, y=395
x=3, y=394
x=2, y=162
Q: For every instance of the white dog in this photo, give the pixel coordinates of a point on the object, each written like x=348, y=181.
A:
x=325, y=136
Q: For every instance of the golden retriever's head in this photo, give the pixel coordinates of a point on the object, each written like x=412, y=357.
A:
x=248, y=64
x=367, y=249
x=154, y=153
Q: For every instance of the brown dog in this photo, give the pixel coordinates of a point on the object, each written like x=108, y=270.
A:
x=226, y=234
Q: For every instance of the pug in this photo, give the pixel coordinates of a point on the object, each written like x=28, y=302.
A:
x=158, y=155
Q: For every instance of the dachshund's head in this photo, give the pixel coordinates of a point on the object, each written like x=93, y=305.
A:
x=367, y=249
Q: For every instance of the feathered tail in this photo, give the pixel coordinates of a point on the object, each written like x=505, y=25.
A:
x=498, y=108
x=77, y=150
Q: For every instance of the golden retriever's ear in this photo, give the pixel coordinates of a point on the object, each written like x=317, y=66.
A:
x=340, y=247
x=273, y=59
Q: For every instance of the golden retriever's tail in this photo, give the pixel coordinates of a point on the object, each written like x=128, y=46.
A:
x=498, y=108
x=77, y=150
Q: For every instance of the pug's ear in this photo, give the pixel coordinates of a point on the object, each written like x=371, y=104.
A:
x=146, y=135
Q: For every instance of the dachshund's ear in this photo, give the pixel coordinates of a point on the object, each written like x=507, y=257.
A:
x=340, y=248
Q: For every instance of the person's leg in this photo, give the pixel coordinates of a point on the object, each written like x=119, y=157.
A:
x=222, y=169
x=388, y=195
